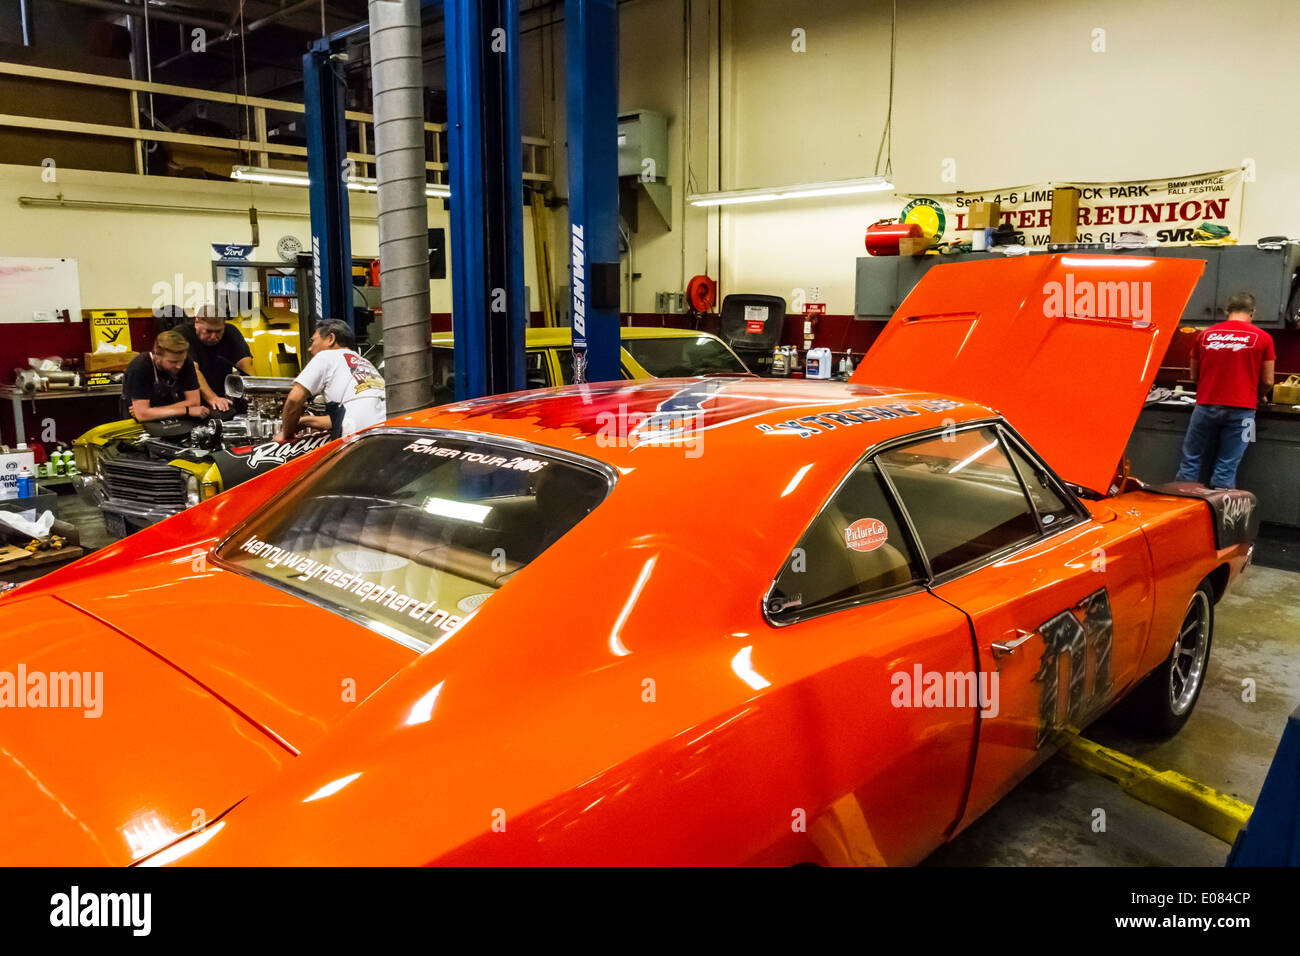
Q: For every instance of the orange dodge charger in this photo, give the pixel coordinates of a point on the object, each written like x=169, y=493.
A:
x=693, y=621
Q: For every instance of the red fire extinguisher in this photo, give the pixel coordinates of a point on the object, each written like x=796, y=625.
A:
x=884, y=236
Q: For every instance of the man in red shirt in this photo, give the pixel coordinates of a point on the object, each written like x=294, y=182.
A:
x=1230, y=361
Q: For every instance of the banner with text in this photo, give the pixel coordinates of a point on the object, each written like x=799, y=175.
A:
x=1167, y=210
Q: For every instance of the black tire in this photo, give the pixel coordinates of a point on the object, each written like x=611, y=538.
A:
x=1162, y=702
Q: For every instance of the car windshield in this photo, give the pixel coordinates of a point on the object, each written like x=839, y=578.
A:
x=678, y=356
x=411, y=532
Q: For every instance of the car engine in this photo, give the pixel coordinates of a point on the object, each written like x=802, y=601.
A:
x=140, y=478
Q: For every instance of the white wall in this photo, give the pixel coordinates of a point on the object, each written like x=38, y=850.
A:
x=123, y=251
x=1008, y=89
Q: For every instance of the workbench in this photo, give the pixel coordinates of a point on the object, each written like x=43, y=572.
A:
x=16, y=399
x=1271, y=468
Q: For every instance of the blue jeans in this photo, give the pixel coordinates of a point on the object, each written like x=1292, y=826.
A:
x=1228, y=424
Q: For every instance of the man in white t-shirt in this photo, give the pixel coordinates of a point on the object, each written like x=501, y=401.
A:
x=351, y=387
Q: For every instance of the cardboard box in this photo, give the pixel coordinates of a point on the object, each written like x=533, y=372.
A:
x=11, y=466
x=107, y=361
x=913, y=246
x=984, y=215
x=1065, y=215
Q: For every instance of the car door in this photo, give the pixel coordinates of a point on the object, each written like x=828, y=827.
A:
x=1058, y=602
x=851, y=607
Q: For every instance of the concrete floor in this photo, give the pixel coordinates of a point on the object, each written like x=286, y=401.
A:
x=1227, y=744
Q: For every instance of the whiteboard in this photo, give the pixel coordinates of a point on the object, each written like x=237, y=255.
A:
x=38, y=290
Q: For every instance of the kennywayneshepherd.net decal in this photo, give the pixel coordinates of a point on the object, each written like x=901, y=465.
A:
x=309, y=569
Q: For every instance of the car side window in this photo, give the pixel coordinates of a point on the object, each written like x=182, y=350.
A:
x=564, y=356
x=1053, y=510
x=963, y=495
x=854, y=549
x=536, y=373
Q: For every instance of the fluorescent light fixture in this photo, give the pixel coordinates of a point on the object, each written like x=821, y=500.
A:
x=842, y=187
x=291, y=177
x=1106, y=263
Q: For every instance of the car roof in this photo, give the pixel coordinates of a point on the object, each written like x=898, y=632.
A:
x=555, y=337
x=732, y=422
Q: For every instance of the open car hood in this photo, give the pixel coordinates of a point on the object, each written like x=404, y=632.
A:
x=1064, y=346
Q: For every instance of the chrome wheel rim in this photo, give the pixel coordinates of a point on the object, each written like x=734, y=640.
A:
x=1191, y=649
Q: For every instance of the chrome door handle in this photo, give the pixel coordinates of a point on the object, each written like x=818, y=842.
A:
x=1003, y=648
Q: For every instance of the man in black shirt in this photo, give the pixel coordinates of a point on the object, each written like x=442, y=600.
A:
x=163, y=383
x=217, y=350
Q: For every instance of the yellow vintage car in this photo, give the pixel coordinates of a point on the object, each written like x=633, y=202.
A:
x=646, y=353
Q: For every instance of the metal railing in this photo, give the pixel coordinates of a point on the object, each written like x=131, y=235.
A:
x=261, y=149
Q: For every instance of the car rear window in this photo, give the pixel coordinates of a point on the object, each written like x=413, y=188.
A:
x=413, y=531
x=681, y=356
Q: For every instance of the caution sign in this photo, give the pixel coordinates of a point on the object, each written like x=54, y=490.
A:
x=109, y=331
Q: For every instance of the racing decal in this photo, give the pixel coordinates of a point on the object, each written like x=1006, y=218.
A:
x=866, y=534
x=274, y=453
x=365, y=376
x=810, y=425
x=1237, y=524
x=1082, y=633
x=677, y=416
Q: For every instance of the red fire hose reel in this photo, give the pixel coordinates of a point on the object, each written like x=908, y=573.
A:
x=701, y=294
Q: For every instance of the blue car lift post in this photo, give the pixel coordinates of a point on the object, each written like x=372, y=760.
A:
x=324, y=94
x=591, y=94
x=488, y=312
x=487, y=196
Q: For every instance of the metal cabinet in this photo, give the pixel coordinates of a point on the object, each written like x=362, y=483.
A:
x=1200, y=307
x=1264, y=273
x=876, y=291
x=883, y=282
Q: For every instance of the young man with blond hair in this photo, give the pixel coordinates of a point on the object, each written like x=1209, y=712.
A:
x=163, y=383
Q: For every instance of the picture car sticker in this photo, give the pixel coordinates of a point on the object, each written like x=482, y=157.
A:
x=866, y=534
